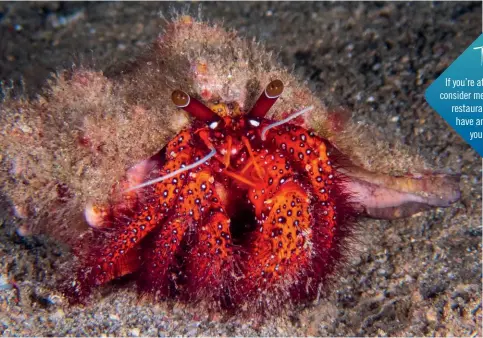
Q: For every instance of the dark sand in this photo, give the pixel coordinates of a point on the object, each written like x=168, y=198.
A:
x=418, y=276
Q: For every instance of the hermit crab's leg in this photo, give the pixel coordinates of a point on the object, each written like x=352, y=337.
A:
x=160, y=256
x=210, y=262
x=198, y=231
x=308, y=151
x=210, y=258
x=115, y=252
x=311, y=155
x=281, y=246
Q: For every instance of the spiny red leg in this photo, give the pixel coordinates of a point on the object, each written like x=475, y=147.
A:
x=199, y=233
x=281, y=246
x=310, y=153
x=210, y=256
x=115, y=254
x=331, y=210
x=210, y=260
x=159, y=258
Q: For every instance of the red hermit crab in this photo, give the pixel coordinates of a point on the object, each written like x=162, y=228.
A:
x=250, y=203
x=242, y=205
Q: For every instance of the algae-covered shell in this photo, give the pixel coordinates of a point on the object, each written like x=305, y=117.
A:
x=73, y=143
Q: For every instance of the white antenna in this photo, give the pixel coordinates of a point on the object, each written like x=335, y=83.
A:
x=174, y=173
x=285, y=120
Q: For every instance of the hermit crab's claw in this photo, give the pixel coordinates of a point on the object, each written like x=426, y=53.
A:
x=194, y=107
x=267, y=99
x=390, y=197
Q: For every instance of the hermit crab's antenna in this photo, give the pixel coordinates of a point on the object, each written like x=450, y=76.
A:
x=285, y=120
x=267, y=99
x=194, y=107
x=174, y=173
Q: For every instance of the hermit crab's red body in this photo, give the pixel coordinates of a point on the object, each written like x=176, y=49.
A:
x=240, y=209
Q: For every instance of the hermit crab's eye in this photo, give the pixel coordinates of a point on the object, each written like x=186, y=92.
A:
x=194, y=107
x=180, y=99
x=274, y=89
x=267, y=99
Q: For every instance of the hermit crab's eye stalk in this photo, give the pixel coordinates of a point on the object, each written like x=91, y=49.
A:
x=194, y=107
x=267, y=99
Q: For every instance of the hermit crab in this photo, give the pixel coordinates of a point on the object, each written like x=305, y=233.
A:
x=251, y=201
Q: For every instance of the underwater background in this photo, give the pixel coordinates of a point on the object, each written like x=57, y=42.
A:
x=417, y=276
